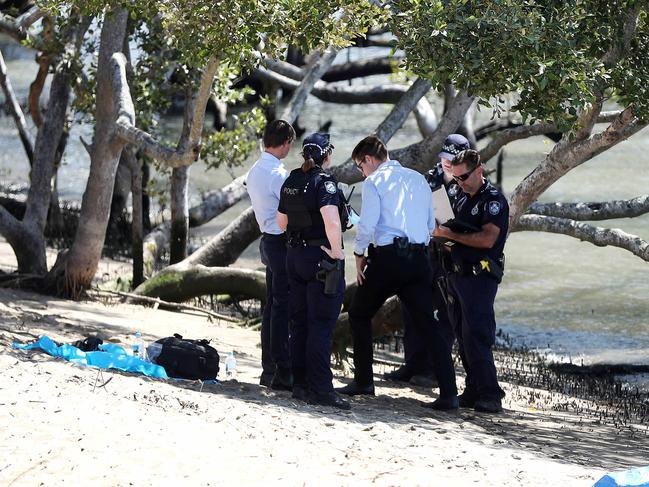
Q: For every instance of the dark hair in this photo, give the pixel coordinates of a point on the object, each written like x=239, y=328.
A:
x=469, y=157
x=370, y=146
x=313, y=157
x=277, y=133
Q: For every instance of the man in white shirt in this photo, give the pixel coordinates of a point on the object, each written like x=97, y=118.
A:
x=264, y=182
x=397, y=219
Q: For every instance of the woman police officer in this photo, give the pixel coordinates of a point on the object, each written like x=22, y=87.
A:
x=309, y=212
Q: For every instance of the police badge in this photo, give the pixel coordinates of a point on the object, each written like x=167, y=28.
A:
x=474, y=210
x=330, y=186
x=494, y=207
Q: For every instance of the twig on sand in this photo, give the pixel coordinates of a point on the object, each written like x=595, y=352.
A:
x=177, y=306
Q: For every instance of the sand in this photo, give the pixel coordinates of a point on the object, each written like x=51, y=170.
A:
x=60, y=424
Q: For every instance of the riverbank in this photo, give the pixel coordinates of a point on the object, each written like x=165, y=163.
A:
x=62, y=421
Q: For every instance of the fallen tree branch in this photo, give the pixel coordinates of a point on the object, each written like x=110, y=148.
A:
x=340, y=94
x=599, y=236
x=145, y=299
x=512, y=134
x=607, y=210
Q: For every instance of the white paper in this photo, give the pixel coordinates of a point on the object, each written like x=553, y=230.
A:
x=442, y=206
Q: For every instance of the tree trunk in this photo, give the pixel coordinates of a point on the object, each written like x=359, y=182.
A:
x=228, y=245
x=121, y=191
x=137, y=229
x=82, y=261
x=179, y=214
x=183, y=282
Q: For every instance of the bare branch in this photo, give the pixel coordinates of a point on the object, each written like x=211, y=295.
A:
x=9, y=26
x=195, y=110
x=341, y=94
x=137, y=298
x=16, y=111
x=125, y=122
x=599, y=236
x=339, y=72
x=516, y=133
x=565, y=156
x=311, y=77
x=607, y=210
x=30, y=17
x=422, y=155
x=347, y=172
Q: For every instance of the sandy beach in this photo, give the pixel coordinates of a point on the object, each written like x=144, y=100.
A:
x=65, y=423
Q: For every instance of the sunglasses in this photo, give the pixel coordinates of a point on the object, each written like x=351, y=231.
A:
x=359, y=165
x=465, y=176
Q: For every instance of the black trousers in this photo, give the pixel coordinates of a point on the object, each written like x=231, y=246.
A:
x=313, y=316
x=417, y=353
x=274, y=322
x=471, y=310
x=410, y=278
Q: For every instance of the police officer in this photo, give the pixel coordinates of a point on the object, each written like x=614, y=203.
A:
x=418, y=367
x=309, y=211
x=397, y=216
x=475, y=270
x=264, y=182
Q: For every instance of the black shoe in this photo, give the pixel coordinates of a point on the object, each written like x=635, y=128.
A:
x=300, y=392
x=329, y=399
x=450, y=403
x=488, y=406
x=421, y=380
x=282, y=380
x=266, y=379
x=466, y=400
x=353, y=389
x=402, y=374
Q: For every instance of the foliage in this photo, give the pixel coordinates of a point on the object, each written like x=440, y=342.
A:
x=549, y=52
x=233, y=147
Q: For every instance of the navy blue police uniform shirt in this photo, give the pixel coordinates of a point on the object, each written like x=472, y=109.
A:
x=488, y=205
x=435, y=179
x=304, y=194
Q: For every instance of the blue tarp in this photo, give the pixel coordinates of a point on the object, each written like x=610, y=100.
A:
x=636, y=477
x=111, y=356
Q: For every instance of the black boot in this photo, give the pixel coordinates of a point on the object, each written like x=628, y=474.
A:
x=354, y=389
x=449, y=403
x=282, y=380
x=329, y=399
x=402, y=374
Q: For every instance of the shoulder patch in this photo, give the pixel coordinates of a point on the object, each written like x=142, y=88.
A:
x=494, y=207
x=330, y=187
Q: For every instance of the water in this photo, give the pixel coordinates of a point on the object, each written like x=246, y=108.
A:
x=574, y=300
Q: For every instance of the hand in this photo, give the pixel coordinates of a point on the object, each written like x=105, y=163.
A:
x=441, y=231
x=361, y=264
x=336, y=254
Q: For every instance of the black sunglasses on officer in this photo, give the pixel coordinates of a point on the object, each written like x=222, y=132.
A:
x=465, y=176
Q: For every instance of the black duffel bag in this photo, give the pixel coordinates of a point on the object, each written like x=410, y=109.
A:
x=185, y=359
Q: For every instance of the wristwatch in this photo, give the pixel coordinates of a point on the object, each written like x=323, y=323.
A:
x=359, y=255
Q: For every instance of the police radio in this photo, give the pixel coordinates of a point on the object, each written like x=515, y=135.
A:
x=348, y=216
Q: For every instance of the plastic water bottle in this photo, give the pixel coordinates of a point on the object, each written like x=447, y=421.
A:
x=139, y=350
x=230, y=366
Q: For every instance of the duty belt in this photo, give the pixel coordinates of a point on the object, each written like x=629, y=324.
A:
x=295, y=242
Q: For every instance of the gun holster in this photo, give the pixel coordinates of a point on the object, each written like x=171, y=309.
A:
x=491, y=267
x=330, y=273
x=401, y=246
